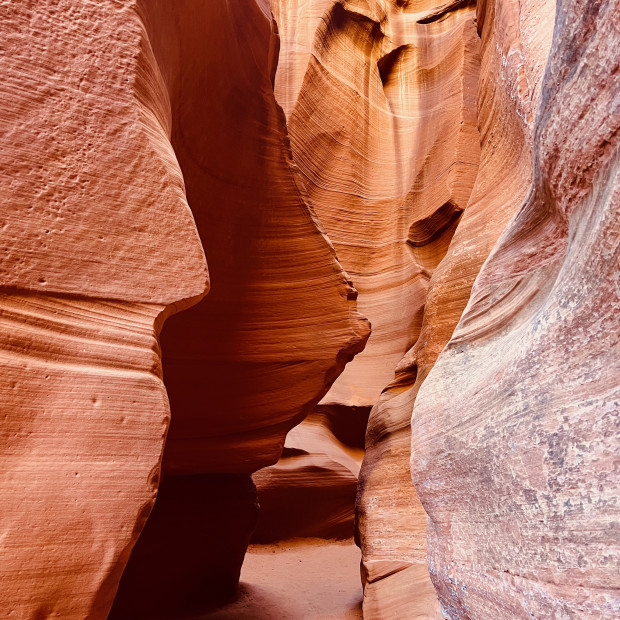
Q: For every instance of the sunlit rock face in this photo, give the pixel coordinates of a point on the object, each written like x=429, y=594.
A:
x=362, y=124
x=383, y=127
x=504, y=97
x=454, y=162
x=101, y=102
x=514, y=429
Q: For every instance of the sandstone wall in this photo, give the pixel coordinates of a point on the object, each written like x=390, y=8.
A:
x=460, y=158
x=515, y=428
x=250, y=362
x=98, y=246
x=510, y=72
x=383, y=128
x=101, y=102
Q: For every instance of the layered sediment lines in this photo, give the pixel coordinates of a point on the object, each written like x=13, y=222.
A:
x=383, y=127
x=360, y=133
x=457, y=163
x=254, y=357
x=507, y=91
x=311, y=490
x=514, y=427
x=247, y=363
x=98, y=245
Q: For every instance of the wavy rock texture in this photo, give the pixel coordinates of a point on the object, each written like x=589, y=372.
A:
x=280, y=323
x=311, y=490
x=515, y=428
x=355, y=130
x=386, y=499
x=383, y=126
x=98, y=245
x=249, y=362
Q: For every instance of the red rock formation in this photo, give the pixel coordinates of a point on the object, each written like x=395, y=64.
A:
x=98, y=246
x=384, y=131
x=311, y=490
x=512, y=450
x=354, y=133
x=247, y=364
x=386, y=499
x=388, y=147
x=279, y=324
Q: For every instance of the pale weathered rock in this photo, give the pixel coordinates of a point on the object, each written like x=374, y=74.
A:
x=515, y=428
x=97, y=247
x=388, y=500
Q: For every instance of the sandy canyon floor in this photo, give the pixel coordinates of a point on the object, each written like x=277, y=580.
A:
x=299, y=579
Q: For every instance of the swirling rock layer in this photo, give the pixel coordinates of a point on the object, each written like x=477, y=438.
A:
x=100, y=103
x=514, y=428
x=386, y=498
x=360, y=134
x=250, y=362
x=311, y=490
x=253, y=359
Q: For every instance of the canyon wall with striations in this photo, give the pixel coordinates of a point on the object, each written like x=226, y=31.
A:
x=444, y=171
x=510, y=70
x=98, y=246
x=383, y=99
x=114, y=115
x=515, y=430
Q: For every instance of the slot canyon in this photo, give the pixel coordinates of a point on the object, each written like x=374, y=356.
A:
x=310, y=309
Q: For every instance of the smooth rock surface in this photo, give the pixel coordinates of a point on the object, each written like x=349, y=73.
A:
x=311, y=490
x=515, y=427
x=360, y=135
x=97, y=247
x=280, y=322
x=251, y=360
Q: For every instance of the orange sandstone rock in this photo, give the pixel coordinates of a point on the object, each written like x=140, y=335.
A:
x=383, y=126
x=360, y=136
x=501, y=183
x=280, y=323
x=311, y=490
x=513, y=429
x=97, y=247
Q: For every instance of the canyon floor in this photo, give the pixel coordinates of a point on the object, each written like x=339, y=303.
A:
x=299, y=579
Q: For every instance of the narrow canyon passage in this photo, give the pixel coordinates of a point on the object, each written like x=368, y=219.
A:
x=309, y=309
